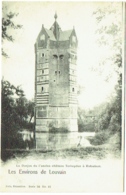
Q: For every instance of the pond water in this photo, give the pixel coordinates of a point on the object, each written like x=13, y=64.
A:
x=74, y=145
x=27, y=135
x=49, y=141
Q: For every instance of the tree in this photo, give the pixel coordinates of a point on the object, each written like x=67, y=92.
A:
x=109, y=37
x=15, y=113
x=7, y=24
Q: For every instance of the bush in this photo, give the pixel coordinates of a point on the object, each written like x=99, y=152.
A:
x=100, y=138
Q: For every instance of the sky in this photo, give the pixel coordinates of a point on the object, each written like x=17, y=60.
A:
x=19, y=68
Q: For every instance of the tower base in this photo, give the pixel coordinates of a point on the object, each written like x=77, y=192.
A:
x=59, y=141
x=56, y=141
x=56, y=125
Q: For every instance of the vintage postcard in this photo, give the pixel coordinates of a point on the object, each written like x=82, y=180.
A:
x=62, y=96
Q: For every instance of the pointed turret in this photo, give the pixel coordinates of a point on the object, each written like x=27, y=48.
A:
x=56, y=28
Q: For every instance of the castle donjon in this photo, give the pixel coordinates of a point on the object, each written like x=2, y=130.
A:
x=56, y=79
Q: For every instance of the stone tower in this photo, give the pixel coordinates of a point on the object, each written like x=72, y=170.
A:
x=56, y=80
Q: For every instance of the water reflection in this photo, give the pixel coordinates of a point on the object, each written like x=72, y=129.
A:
x=28, y=139
x=52, y=141
x=27, y=135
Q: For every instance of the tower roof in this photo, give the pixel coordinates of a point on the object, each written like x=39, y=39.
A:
x=58, y=33
x=65, y=35
x=50, y=34
x=55, y=33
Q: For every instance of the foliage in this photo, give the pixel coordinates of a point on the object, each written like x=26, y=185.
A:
x=109, y=22
x=15, y=114
x=111, y=115
x=7, y=25
x=100, y=138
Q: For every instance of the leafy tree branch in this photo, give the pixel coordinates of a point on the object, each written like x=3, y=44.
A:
x=7, y=24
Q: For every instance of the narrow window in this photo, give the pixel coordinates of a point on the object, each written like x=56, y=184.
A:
x=59, y=72
x=42, y=71
x=42, y=54
x=73, y=89
x=42, y=89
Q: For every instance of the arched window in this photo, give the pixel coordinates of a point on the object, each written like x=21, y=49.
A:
x=61, y=57
x=55, y=56
x=73, y=89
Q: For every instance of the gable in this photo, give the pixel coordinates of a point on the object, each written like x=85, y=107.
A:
x=43, y=37
x=50, y=34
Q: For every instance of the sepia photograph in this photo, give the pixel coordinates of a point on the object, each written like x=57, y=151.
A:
x=62, y=96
